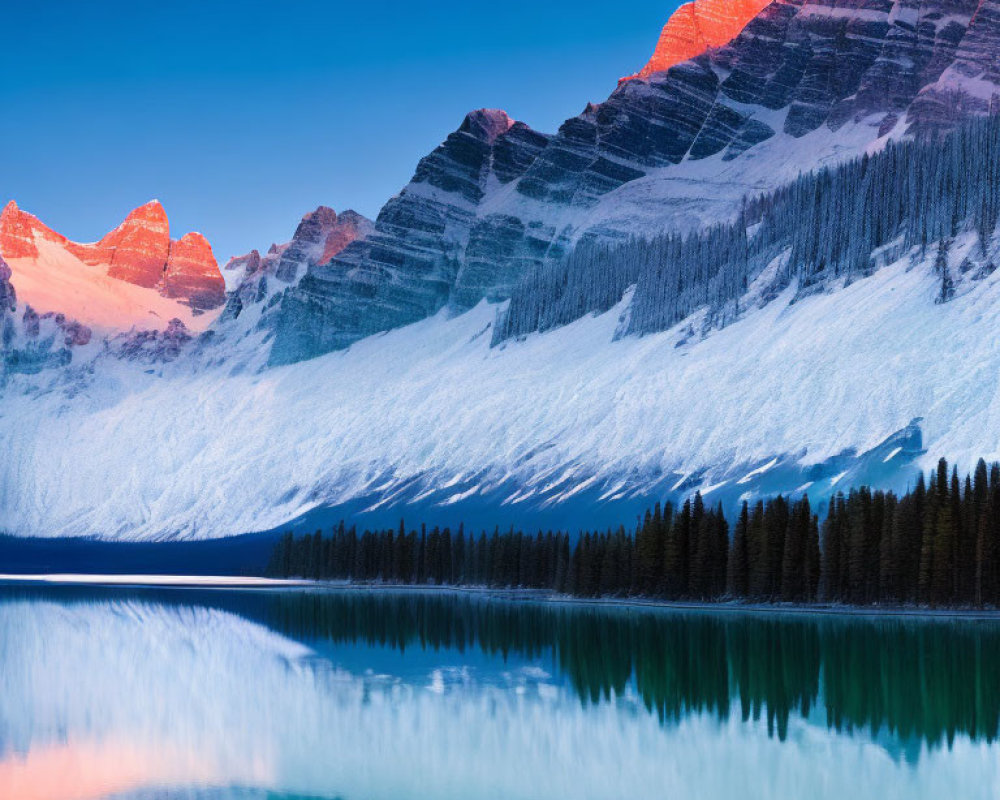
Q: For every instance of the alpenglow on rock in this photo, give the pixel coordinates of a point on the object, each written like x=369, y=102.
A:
x=498, y=200
x=100, y=282
x=320, y=236
x=696, y=27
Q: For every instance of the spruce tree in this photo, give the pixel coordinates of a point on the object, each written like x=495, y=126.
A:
x=738, y=583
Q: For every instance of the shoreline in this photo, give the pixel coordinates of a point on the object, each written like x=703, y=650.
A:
x=211, y=582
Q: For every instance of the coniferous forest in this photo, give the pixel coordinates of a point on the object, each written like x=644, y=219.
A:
x=836, y=223
x=938, y=544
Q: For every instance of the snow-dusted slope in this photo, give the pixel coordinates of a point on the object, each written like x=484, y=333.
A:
x=57, y=281
x=802, y=84
x=430, y=415
x=134, y=277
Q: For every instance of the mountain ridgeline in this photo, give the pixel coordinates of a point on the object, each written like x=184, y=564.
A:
x=801, y=85
x=814, y=201
x=836, y=224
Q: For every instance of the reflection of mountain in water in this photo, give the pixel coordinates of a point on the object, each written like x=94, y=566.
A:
x=374, y=694
x=898, y=679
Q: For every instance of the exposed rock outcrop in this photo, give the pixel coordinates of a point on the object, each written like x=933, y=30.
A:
x=320, y=236
x=8, y=295
x=496, y=199
x=696, y=27
x=138, y=248
x=405, y=269
x=192, y=273
x=152, y=347
x=138, y=252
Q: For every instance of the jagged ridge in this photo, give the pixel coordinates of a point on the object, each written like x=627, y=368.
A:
x=666, y=152
x=139, y=252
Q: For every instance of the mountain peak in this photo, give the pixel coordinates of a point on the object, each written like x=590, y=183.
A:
x=487, y=123
x=696, y=27
x=323, y=215
x=192, y=273
x=139, y=246
x=152, y=212
x=50, y=271
x=151, y=207
x=17, y=232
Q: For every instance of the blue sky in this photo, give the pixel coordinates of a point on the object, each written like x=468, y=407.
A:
x=241, y=117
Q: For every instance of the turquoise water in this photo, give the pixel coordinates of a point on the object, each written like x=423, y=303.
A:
x=222, y=694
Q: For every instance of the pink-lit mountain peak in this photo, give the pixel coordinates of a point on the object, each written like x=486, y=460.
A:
x=487, y=123
x=138, y=253
x=699, y=26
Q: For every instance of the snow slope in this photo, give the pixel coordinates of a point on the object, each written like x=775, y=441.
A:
x=59, y=282
x=430, y=414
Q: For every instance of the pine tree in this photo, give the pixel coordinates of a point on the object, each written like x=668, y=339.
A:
x=942, y=575
x=831, y=552
x=738, y=583
x=813, y=559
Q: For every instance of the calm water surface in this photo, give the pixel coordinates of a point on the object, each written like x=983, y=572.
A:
x=126, y=693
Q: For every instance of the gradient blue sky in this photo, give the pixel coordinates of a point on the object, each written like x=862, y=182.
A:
x=241, y=117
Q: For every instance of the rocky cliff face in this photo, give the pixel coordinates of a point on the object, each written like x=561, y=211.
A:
x=696, y=27
x=665, y=151
x=407, y=267
x=139, y=252
x=8, y=295
x=192, y=274
x=320, y=236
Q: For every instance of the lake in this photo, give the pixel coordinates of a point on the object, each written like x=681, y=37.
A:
x=363, y=695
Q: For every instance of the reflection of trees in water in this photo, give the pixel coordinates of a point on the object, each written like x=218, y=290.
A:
x=907, y=679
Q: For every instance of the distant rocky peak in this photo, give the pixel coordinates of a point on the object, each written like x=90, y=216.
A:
x=320, y=236
x=192, y=273
x=248, y=263
x=696, y=27
x=149, y=216
x=322, y=217
x=486, y=124
x=139, y=252
x=18, y=230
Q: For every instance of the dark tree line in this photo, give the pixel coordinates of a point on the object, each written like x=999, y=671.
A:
x=938, y=544
x=835, y=223
x=677, y=555
x=671, y=554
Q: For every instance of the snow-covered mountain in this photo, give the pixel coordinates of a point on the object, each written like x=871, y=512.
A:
x=358, y=369
x=98, y=284
x=802, y=85
x=65, y=302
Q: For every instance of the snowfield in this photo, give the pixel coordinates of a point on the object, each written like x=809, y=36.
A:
x=59, y=282
x=429, y=414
